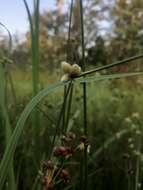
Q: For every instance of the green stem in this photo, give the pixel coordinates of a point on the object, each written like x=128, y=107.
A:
x=84, y=96
x=12, y=88
x=130, y=59
x=3, y=106
x=9, y=35
x=69, y=108
x=46, y=115
x=64, y=108
x=34, y=31
x=68, y=59
x=137, y=175
x=59, y=119
x=69, y=30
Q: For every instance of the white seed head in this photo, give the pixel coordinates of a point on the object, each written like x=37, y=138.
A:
x=66, y=67
x=138, y=132
x=139, y=185
x=131, y=146
x=76, y=70
x=81, y=146
x=141, y=157
x=65, y=78
x=136, y=115
x=128, y=120
x=130, y=140
x=88, y=149
x=133, y=126
x=118, y=135
x=137, y=153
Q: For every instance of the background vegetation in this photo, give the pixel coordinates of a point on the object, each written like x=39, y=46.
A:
x=113, y=108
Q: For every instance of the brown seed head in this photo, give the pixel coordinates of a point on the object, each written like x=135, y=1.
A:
x=64, y=175
x=63, y=151
x=84, y=140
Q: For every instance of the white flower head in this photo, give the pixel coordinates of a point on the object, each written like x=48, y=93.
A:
x=138, y=132
x=66, y=67
x=70, y=71
x=136, y=115
x=65, y=78
x=76, y=70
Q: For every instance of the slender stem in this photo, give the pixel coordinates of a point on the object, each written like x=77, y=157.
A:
x=36, y=45
x=29, y=18
x=9, y=35
x=46, y=115
x=6, y=119
x=82, y=36
x=130, y=59
x=68, y=52
x=69, y=108
x=34, y=31
x=64, y=108
x=59, y=119
x=81, y=174
x=137, y=174
x=12, y=88
x=69, y=30
x=35, y=68
x=84, y=95
x=3, y=105
x=70, y=20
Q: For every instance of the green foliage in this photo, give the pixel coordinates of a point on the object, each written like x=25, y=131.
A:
x=4, y=112
x=127, y=28
x=18, y=130
x=98, y=53
x=99, y=105
x=94, y=127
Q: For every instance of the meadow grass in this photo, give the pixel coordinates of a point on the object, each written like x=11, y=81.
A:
x=4, y=76
x=22, y=80
x=122, y=95
x=67, y=121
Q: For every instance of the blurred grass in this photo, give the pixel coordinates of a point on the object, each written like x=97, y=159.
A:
x=114, y=108
x=23, y=80
x=109, y=100
x=110, y=104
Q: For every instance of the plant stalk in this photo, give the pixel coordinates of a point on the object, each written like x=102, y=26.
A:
x=130, y=59
x=84, y=96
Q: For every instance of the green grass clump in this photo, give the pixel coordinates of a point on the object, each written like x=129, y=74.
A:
x=76, y=134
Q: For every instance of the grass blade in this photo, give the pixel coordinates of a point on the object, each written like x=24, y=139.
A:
x=124, y=61
x=85, y=161
x=3, y=106
x=107, y=143
x=34, y=30
x=9, y=35
x=108, y=77
x=4, y=165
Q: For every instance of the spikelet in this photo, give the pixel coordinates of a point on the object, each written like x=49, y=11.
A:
x=65, y=78
x=66, y=67
x=76, y=70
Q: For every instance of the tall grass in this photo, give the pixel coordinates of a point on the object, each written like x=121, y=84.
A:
x=8, y=131
x=4, y=107
x=85, y=161
x=13, y=141
x=34, y=31
x=16, y=135
x=61, y=125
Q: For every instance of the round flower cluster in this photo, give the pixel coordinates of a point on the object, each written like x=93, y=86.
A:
x=70, y=71
x=53, y=170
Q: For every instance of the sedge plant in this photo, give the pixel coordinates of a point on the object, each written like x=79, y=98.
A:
x=4, y=110
x=61, y=126
x=34, y=33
